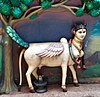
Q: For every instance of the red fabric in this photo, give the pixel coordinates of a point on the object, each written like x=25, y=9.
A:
x=70, y=41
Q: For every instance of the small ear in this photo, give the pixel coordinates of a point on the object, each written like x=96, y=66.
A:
x=73, y=30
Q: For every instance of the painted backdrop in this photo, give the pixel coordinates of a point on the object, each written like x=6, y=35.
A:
x=49, y=27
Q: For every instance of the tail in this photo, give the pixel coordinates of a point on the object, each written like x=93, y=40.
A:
x=20, y=70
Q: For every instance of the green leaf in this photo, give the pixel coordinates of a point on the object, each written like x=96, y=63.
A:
x=95, y=13
x=33, y=16
x=15, y=2
x=89, y=5
x=4, y=1
x=46, y=4
x=96, y=4
x=12, y=33
x=27, y=2
x=0, y=1
x=79, y=12
x=5, y=9
x=16, y=12
x=84, y=1
x=23, y=7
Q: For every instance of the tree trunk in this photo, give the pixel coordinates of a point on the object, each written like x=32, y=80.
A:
x=8, y=84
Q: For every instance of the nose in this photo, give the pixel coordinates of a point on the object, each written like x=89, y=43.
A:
x=83, y=34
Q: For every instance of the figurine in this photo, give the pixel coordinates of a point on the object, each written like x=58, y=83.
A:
x=53, y=54
x=40, y=85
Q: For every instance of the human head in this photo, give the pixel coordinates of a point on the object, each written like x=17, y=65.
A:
x=79, y=30
x=78, y=26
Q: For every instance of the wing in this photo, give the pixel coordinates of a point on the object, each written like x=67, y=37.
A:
x=52, y=50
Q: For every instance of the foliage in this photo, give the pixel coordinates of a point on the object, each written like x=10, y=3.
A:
x=15, y=2
x=4, y=1
x=79, y=12
x=16, y=12
x=45, y=4
x=23, y=7
x=12, y=11
x=16, y=8
x=34, y=16
x=92, y=7
x=27, y=2
x=12, y=33
x=5, y=9
x=95, y=12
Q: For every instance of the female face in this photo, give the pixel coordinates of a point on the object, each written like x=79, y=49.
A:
x=80, y=34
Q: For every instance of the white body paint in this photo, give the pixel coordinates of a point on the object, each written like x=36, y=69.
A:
x=64, y=60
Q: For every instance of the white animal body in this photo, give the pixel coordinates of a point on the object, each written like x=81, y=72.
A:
x=51, y=54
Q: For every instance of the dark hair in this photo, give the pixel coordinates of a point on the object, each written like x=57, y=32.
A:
x=78, y=26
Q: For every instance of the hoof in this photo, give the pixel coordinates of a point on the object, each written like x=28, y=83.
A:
x=65, y=90
x=84, y=67
x=76, y=85
x=32, y=91
x=19, y=88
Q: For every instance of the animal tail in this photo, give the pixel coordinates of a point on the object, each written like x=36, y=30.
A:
x=20, y=70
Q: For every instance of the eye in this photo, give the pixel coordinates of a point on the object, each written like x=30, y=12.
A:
x=84, y=31
x=80, y=32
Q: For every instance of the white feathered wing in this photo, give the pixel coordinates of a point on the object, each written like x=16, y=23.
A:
x=52, y=50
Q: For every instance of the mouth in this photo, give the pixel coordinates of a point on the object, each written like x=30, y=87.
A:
x=82, y=37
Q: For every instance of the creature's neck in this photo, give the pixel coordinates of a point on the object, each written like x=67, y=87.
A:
x=77, y=43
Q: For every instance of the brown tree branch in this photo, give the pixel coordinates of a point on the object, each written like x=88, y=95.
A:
x=63, y=2
x=84, y=6
x=38, y=10
x=30, y=10
x=23, y=17
x=69, y=8
x=2, y=19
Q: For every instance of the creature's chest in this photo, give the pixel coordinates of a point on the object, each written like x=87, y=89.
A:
x=76, y=53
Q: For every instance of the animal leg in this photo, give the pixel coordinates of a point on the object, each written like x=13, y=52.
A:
x=35, y=73
x=74, y=75
x=64, y=74
x=28, y=76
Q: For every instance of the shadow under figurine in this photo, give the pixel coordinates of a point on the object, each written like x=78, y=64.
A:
x=53, y=54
